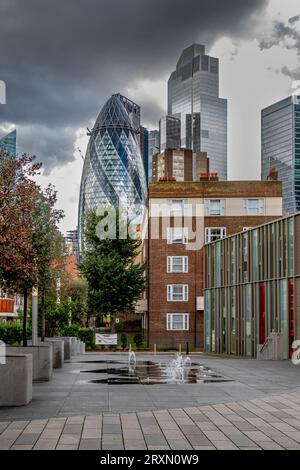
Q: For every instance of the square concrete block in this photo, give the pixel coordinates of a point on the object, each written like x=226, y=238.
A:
x=67, y=347
x=42, y=359
x=58, y=352
x=16, y=380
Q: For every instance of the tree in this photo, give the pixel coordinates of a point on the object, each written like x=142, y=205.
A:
x=47, y=242
x=115, y=280
x=18, y=199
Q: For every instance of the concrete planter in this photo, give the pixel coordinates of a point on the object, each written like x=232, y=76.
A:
x=73, y=346
x=16, y=380
x=67, y=347
x=42, y=359
x=58, y=352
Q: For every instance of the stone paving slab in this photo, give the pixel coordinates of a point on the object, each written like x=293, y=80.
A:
x=230, y=426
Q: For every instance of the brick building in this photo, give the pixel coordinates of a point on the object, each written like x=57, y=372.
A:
x=181, y=164
x=182, y=216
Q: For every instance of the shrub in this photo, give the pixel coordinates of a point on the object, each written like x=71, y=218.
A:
x=123, y=341
x=138, y=339
x=86, y=335
x=11, y=332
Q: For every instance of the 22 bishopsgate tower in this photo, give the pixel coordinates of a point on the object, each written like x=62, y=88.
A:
x=193, y=97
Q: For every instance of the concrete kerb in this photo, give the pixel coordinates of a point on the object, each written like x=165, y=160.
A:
x=16, y=380
x=42, y=359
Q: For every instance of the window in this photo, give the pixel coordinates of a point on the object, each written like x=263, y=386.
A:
x=214, y=233
x=177, y=208
x=254, y=206
x=177, y=235
x=178, y=321
x=178, y=292
x=214, y=207
x=177, y=264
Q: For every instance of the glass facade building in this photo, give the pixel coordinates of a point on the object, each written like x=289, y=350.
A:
x=252, y=289
x=153, y=149
x=281, y=148
x=8, y=144
x=113, y=170
x=193, y=96
x=169, y=131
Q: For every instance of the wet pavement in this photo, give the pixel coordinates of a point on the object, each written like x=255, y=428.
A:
x=74, y=392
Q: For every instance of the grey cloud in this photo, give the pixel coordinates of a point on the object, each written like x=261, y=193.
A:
x=52, y=145
x=294, y=74
x=288, y=36
x=280, y=33
x=294, y=19
x=62, y=59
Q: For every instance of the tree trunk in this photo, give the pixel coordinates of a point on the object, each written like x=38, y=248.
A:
x=25, y=295
x=43, y=315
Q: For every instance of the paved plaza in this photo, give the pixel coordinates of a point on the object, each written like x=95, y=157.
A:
x=259, y=408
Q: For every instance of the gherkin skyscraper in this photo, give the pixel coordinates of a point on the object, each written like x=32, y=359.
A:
x=113, y=170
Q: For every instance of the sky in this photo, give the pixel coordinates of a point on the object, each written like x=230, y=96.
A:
x=61, y=61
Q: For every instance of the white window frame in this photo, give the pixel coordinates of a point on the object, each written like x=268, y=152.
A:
x=208, y=230
x=208, y=204
x=170, y=293
x=169, y=322
x=260, y=206
x=170, y=264
x=171, y=237
x=174, y=213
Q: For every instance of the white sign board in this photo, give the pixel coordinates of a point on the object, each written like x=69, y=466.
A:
x=106, y=339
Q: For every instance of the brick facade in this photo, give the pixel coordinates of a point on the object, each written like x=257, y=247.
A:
x=158, y=250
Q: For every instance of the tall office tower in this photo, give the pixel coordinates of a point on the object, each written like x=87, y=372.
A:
x=153, y=149
x=169, y=131
x=113, y=170
x=143, y=137
x=8, y=144
x=280, y=140
x=71, y=240
x=193, y=95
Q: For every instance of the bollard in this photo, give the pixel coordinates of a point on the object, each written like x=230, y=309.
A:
x=179, y=349
x=154, y=349
x=187, y=348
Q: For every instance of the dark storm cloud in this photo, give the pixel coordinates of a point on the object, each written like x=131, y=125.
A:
x=61, y=59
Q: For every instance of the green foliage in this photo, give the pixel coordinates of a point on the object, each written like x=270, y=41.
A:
x=11, y=332
x=123, y=341
x=74, y=292
x=115, y=280
x=56, y=315
x=87, y=335
x=138, y=339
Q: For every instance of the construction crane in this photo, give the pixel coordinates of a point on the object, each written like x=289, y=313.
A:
x=80, y=152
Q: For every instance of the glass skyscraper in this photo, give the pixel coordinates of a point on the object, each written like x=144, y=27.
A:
x=169, y=131
x=8, y=144
x=193, y=97
x=280, y=137
x=153, y=149
x=113, y=170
